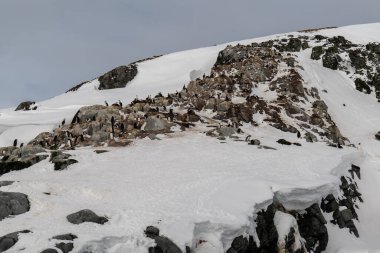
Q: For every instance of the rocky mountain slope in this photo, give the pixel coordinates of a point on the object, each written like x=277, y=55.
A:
x=263, y=145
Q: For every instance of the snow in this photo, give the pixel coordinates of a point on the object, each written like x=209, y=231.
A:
x=189, y=185
x=283, y=223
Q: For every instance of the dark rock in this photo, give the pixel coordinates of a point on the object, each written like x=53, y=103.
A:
x=316, y=52
x=331, y=59
x=329, y=204
x=254, y=142
x=65, y=237
x=357, y=60
x=309, y=137
x=294, y=45
x=312, y=227
x=118, y=77
x=65, y=247
x=26, y=106
x=377, y=136
x=362, y=86
x=354, y=169
x=100, y=151
x=284, y=142
x=164, y=244
x=152, y=231
x=6, y=183
x=49, y=251
x=76, y=87
x=9, y=240
x=13, y=203
x=85, y=215
x=8, y=166
x=63, y=164
x=239, y=245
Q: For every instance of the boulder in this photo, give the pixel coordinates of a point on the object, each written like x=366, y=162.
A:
x=331, y=59
x=155, y=124
x=65, y=247
x=63, y=164
x=26, y=106
x=316, y=52
x=9, y=240
x=163, y=244
x=20, y=164
x=118, y=77
x=13, y=203
x=294, y=45
x=86, y=215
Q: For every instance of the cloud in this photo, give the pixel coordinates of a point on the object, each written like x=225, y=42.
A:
x=48, y=46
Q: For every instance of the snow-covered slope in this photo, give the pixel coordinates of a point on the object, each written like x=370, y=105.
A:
x=193, y=187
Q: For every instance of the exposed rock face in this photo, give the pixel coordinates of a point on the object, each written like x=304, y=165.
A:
x=9, y=240
x=14, y=158
x=164, y=244
x=26, y=106
x=13, y=203
x=344, y=207
x=118, y=77
x=86, y=215
x=281, y=230
x=339, y=53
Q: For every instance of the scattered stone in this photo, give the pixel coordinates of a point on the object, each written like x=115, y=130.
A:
x=65, y=237
x=100, y=151
x=13, y=203
x=65, y=247
x=284, y=142
x=86, y=215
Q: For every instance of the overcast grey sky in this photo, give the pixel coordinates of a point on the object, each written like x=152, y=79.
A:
x=48, y=46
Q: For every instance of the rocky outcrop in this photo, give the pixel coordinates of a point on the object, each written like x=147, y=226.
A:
x=344, y=207
x=15, y=158
x=13, y=203
x=118, y=77
x=26, y=106
x=281, y=230
x=86, y=215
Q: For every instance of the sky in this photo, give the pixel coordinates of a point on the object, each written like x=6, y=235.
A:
x=48, y=46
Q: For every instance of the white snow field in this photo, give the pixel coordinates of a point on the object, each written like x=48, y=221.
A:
x=191, y=186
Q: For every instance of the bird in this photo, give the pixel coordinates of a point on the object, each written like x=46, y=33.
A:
x=15, y=143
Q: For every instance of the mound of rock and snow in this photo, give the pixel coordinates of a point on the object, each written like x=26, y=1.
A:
x=263, y=145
